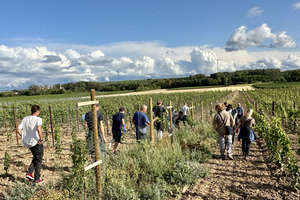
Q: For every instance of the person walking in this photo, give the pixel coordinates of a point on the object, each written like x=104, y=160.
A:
x=159, y=111
x=233, y=113
x=140, y=121
x=89, y=137
x=117, y=127
x=31, y=131
x=185, y=111
x=240, y=112
x=221, y=120
x=245, y=127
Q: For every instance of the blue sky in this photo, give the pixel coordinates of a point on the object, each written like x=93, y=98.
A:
x=133, y=26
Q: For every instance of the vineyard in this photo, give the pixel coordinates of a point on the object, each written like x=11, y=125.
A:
x=64, y=161
x=144, y=171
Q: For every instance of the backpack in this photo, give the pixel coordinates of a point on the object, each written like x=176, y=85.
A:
x=246, y=128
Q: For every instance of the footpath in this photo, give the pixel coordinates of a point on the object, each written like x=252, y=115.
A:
x=257, y=178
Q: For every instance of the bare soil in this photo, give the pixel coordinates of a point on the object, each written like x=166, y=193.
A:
x=256, y=178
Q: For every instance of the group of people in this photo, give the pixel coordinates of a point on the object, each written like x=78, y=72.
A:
x=31, y=132
x=229, y=121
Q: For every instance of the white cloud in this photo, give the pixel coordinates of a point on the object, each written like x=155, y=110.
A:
x=254, y=12
x=292, y=62
x=21, y=67
x=296, y=5
x=240, y=40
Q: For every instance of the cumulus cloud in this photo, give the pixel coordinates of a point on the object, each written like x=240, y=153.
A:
x=21, y=67
x=240, y=40
x=296, y=5
x=254, y=12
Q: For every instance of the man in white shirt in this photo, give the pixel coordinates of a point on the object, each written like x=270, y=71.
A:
x=31, y=131
x=185, y=110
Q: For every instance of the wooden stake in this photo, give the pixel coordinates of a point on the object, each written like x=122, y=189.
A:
x=96, y=145
x=77, y=118
x=16, y=126
x=151, y=122
x=255, y=106
x=201, y=110
x=107, y=121
x=273, y=108
x=4, y=118
x=192, y=111
x=51, y=125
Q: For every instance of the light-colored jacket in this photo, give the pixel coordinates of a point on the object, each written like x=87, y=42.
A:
x=218, y=122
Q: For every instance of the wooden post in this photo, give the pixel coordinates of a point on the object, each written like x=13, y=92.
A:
x=192, y=112
x=201, y=110
x=294, y=105
x=255, y=106
x=26, y=110
x=151, y=122
x=170, y=113
x=4, y=118
x=273, y=108
x=51, y=125
x=207, y=108
x=16, y=125
x=96, y=145
x=70, y=114
x=77, y=118
x=107, y=120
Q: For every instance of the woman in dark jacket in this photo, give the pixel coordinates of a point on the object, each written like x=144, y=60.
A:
x=245, y=127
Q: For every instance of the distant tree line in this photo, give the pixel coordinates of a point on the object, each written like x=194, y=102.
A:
x=222, y=78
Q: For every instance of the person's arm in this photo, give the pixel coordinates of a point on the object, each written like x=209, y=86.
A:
x=19, y=131
x=102, y=131
x=231, y=120
x=85, y=124
x=123, y=123
x=39, y=130
x=253, y=122
x=238, y=127
x=215, y=123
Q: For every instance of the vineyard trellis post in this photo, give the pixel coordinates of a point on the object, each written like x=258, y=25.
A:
x=96, y=146
x=273, y=108
x=16, y=125
x=51, y=124
x=4, y=118
x=151, y=121
x=192, y=111
x=201, y=110
x=206, y=111
x=77, y=118
x=255, y=106
x=107, y=120
x=171, y=122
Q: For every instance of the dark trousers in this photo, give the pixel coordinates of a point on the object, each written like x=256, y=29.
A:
x=36, y=163
x=246, y=146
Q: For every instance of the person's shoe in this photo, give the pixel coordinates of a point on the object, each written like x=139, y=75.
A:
x=230, y=156
x=30, y=177
x=39, y=181
x=246, y=158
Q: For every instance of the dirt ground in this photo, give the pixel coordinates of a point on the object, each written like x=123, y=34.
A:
x=233, y=87
x=256, y=178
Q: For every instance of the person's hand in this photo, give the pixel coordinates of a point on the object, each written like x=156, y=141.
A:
x=105, y=140
x=40, y=142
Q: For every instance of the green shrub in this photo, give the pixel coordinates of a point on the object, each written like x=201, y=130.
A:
x=188, y=172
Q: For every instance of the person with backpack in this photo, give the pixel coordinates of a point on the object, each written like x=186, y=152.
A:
x=240, y=111
x=245, y=127
x=233, y=113
x=221, y=123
